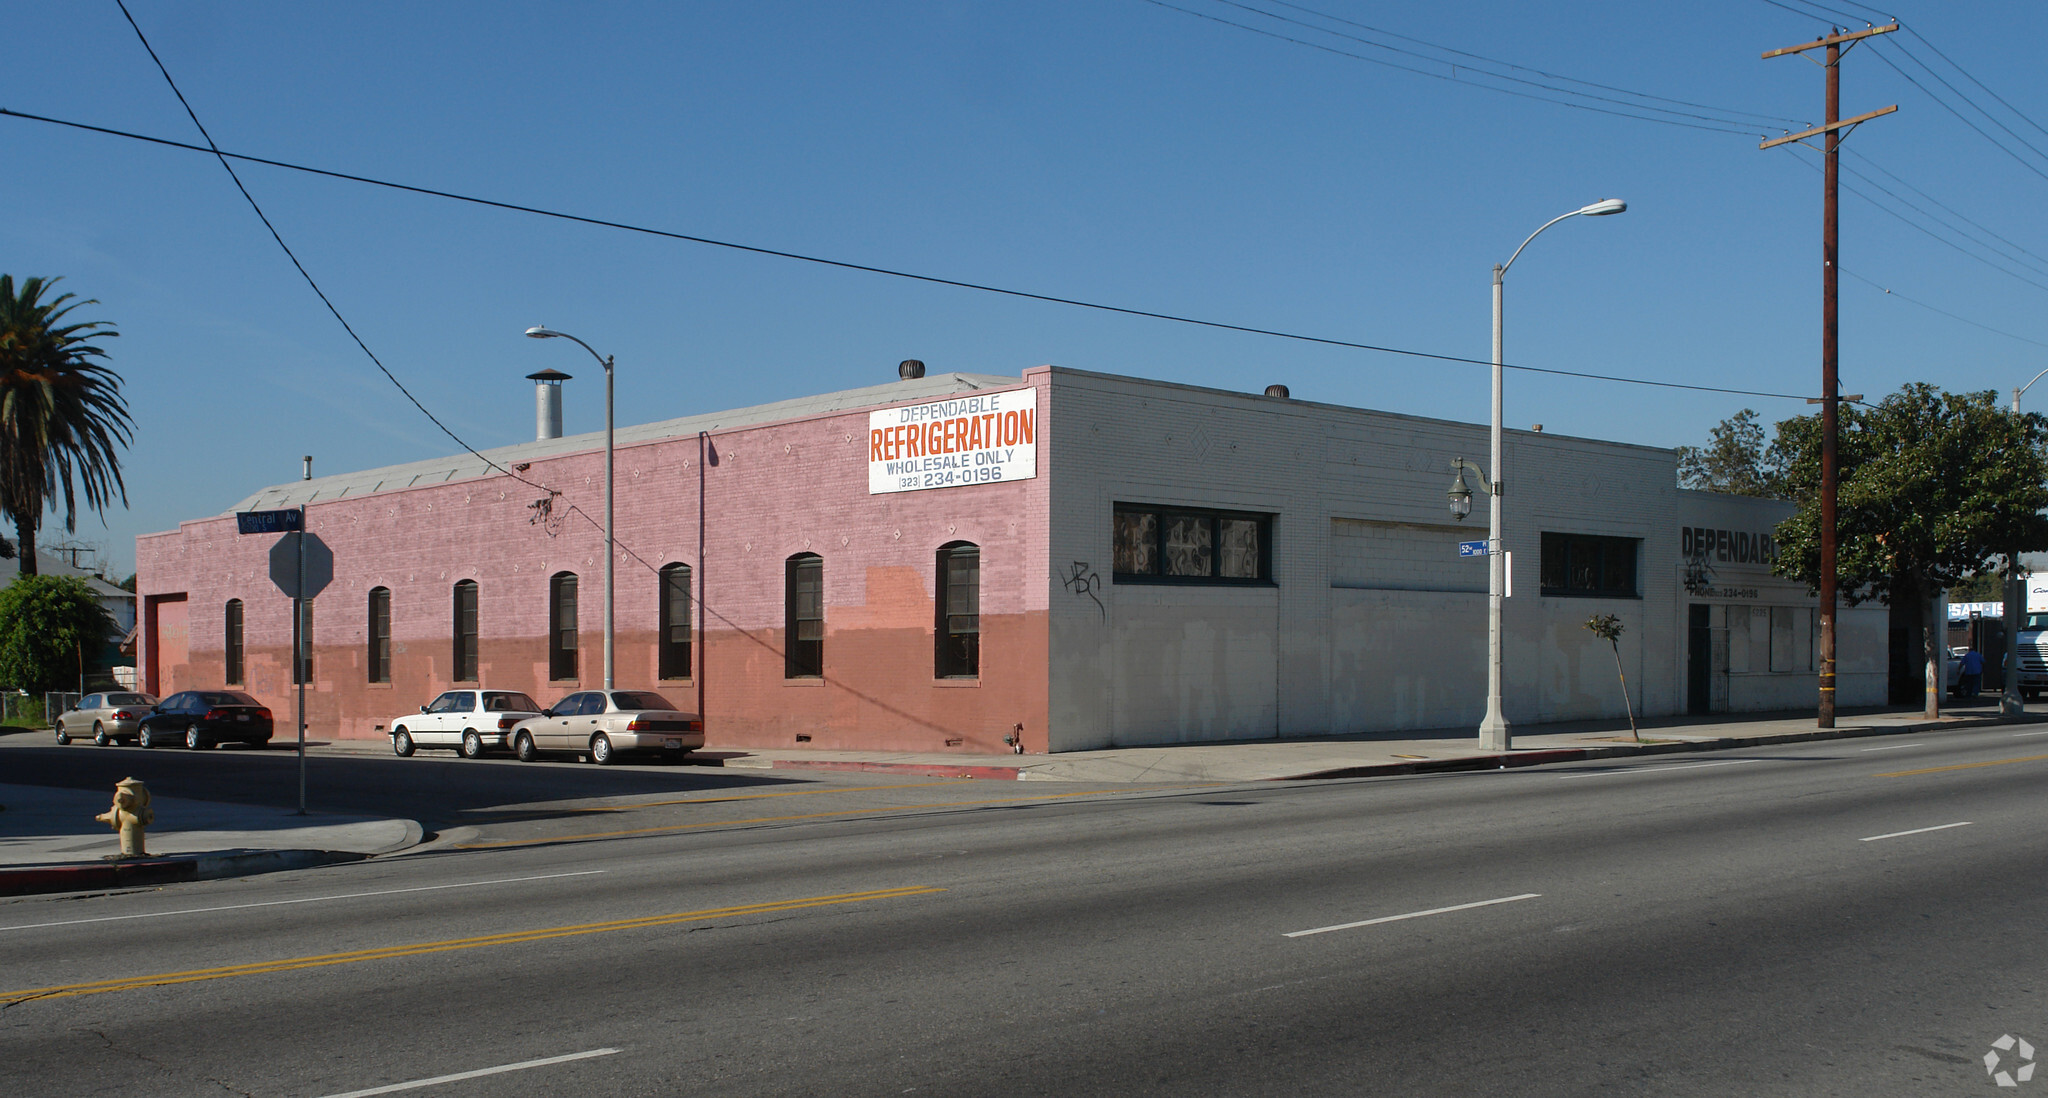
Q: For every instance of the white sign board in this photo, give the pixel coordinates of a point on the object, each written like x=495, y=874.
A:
x=985, y=438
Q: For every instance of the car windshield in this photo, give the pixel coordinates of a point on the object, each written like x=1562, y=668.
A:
x=639, y=699
x=2035, y=623
x=496, y=702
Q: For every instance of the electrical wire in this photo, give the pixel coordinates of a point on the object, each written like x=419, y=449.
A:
x=1943, y=103
x=1882, y=189
x=1959, y=215
x=301, y=267
x=1965, y=97
x=2021, y=115
x=1451, y=77
x=841, y=264
x=1889, y=292
x=1497, y=76
x=1540, y=72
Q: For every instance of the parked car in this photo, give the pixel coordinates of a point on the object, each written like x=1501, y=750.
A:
x=110, y=718
x=470, y=721
x=604, y=724
x=202, y=718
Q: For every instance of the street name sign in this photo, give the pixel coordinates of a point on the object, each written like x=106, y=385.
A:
x=1471, y=548
x=269, y=522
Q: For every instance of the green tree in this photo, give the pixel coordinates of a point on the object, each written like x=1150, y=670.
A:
x=1734, y=460
x=62, y=418
x=1931, y=487
x=48, y=626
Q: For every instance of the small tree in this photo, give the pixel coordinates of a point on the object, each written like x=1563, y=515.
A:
x=47, y=625
x=1931, y=487
x=1608, y=628
x=1733, y=461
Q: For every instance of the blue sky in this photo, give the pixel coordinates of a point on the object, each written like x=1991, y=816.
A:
x=1117, y=151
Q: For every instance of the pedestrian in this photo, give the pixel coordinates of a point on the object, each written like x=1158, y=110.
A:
x=1972, y=678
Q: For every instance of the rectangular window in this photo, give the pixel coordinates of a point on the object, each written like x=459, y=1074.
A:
x=233, y=645
x=562, y=626
x=1185, y=545
x=379, y=655
x=674, y=657
x=465, y=631
x=1589, y=566
x=959, y=623
x=804, y=607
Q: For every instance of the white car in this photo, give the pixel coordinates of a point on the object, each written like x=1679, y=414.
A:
x=470, y=721
x=604, y=723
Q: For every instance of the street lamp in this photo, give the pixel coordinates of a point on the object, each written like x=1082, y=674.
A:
x=2012, y=701
x=1493, y=731
x=611, y=551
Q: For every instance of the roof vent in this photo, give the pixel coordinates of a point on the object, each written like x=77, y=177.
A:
x=547, y=404
x=1279, y=391
x=910, y=369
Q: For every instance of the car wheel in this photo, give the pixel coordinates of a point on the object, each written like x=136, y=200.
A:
x=401, y=743
x=99, y=735
x=601, y=750
x=472, y=744
x=193, y=742
x=63, y=737
x=523, y=747
x=146, y=738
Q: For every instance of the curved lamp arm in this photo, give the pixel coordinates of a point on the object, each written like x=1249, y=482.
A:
x=2022, y=390
x=540, y=331
x=1598, y=209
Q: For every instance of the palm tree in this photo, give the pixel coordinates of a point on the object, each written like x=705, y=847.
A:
x=61, y=413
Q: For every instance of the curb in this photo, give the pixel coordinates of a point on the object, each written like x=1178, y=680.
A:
x=930, y=770
x=84, y=876
x=1581, y=754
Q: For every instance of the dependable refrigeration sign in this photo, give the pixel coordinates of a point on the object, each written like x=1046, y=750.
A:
x=986, y=438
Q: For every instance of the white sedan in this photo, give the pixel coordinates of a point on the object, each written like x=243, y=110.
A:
x=604, y=723
x=470, y=721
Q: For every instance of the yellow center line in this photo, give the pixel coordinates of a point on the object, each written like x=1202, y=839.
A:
x=514, y=937
x=808, y=816
x=1961, y=766
x=539, y=813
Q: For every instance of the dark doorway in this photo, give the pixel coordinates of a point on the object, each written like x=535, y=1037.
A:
x=1699, y=659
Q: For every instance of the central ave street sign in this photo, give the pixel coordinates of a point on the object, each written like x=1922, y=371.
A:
x=269, y=522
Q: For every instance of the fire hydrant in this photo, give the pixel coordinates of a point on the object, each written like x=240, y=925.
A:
x=129, y=815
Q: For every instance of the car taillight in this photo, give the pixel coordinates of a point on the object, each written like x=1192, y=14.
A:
x=264, y=713
x=123, y=715
x=505, y=723
x=694, y=726
x=214, y=715
x=635, y=725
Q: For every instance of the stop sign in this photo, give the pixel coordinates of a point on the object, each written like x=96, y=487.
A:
x=284, y=565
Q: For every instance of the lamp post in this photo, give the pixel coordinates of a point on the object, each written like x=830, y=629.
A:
x=1493, y=731
x=610, y=543
x=2011, y=699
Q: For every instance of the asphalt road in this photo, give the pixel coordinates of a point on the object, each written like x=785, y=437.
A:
x=1852, y=917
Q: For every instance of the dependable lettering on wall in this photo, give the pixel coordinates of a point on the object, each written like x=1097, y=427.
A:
x=1727, y=546
x=986, y=438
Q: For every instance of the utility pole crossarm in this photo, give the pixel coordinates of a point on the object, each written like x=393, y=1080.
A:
x=1830, y=127
x=1833, y=40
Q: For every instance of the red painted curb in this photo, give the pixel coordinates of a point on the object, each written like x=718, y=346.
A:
x=85, y=875
x=929, y=770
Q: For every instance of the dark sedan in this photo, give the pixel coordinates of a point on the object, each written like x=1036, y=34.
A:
x=202, y=718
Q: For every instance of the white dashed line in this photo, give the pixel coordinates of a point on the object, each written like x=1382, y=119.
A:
x=1915, y=831
x=1654, y=769
x=1894, y=747
x=1411, y=915
x=477, y=1074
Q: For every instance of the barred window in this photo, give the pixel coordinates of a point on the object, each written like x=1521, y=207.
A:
x=674, y=655
x=378, y=658
x=1589, y=566
x=562, y=626
x=804, y=611
x=233, y=643
x=1187, y=545
x=959, y=608
x=465, y=631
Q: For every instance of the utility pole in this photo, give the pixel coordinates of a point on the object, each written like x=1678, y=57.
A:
x=1830, y=383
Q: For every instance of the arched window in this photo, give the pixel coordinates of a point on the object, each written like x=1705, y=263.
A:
x=804, y=617
x=233, y=642
x=674, y=641
x=958, y=630
x=464, y=633
x=562, y=626
x=379, y=656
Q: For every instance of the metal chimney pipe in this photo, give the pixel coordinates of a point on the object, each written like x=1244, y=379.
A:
x=547, y=403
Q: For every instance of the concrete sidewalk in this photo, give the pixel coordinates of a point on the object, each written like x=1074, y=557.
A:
x=49, y=841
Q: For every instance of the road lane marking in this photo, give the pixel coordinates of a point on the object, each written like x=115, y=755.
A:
x=303, y=900
x=1915, y=831
x=477, y=1074
x=1411, y=915
x=513, y=814
x=1894, y=747
x=631, y=831
x=1654, y=769
x=1961, y=766
x=2024, y=735
x=513, y=937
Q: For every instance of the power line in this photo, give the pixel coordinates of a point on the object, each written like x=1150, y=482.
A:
x=2021, y=115
x=1451, y=77
x=1943, y=103
x=1719, y=118
x=1539, y=72
x=1932, y=309
x=1882, y=189
x=1965, y=97
x=936, y=280
x=1978, y=225
x=289, y=254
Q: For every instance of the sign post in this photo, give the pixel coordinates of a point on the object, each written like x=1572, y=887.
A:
x=301, y=565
